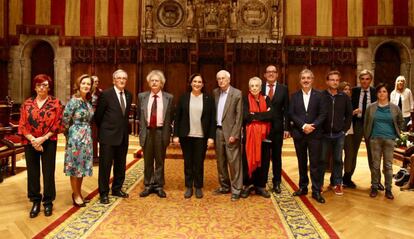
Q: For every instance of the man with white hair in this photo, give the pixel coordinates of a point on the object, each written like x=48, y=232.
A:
x=154, y=113
x=229, y=107
x=111, y=117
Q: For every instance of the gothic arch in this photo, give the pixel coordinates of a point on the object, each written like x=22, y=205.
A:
x=20, y=67
x=404, y=55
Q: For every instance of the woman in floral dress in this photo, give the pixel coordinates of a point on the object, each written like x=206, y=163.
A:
x=79, y=151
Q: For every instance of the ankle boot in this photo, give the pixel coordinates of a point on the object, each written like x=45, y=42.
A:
x=35, y=209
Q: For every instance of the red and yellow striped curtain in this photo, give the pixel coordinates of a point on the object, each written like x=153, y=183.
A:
x=337, y=18
x=345, y=18
x=78, y=17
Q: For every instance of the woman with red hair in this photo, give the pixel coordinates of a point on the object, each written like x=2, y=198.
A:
x=40, y=122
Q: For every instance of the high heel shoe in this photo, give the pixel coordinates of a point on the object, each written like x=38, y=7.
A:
x=77, y=204
x=86, y=200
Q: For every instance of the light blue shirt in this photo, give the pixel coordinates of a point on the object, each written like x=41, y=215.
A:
x=220, y=105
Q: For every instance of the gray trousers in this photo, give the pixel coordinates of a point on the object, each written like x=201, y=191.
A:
x=229, y=158
x=358, y=134
x=381, y=148
x=154, y=158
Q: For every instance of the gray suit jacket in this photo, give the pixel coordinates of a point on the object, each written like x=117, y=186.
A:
x=369, y=119
x=142, y=113
x=232, y=113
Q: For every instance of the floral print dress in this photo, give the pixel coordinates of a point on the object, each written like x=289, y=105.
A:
x=79, y=150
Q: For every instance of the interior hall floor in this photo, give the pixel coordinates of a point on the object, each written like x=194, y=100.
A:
x=353, y=215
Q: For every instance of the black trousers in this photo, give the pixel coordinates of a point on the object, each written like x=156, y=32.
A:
x=154, y=159
x=276, y=154
x=314, y=147
x=259, y=176
x=194, y=152
x=109, y=154
x=47, y=161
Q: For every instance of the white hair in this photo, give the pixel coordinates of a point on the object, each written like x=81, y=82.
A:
x=223, y=72
x=118, y=72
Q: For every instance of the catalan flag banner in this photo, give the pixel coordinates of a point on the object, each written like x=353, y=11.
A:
x=345, y=18
x=322, y=18
x=77, y=17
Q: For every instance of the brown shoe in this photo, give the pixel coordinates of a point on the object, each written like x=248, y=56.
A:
x=373, y=193
x=388, y=194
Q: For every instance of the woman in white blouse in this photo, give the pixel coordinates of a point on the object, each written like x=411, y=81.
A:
x=403, y=97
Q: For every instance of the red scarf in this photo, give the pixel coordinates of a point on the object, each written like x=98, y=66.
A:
x=256, y=132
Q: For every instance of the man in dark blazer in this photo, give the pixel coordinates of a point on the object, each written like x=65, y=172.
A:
x=279, y=98
x=111, y=117
x=362, y=96
x=154, y=113
x=229, y=108
x=307, y=112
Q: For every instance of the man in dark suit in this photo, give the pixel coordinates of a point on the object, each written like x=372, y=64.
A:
x=154, y=113
x=111, y=117
x=229, y=106
x=279, y=98
x=362, y=96
x=308, y=112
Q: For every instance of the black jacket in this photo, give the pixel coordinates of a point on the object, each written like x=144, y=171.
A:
x=339, y=113
x=182, y=116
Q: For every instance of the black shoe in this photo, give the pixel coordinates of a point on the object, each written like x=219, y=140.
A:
x=300, y=192
x=381, y=187
x=198, y=193
x=318, y=197
x=219, y=191
x=145, y=193
x=349, y=184
x=388, y=194
x=373, y=193
x=104, y=199
x=235, y=197
x=245, y=193
x=161, y=193
x=48, y=210
x=35, y=209
x=77, y=204
x=262, y=192
x=277, y=189
x=188, y=193
x=120, y=194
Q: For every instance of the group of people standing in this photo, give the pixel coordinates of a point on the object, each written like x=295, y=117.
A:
x=246, y=132
x=43, y=117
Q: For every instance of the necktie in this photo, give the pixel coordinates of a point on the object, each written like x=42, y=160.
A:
x=153, y=117
x=122, y=102
x=364, y=103
x=400, y=102
x=271, y=91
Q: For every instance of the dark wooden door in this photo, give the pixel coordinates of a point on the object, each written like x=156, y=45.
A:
x=42, y=62
x=387, y=65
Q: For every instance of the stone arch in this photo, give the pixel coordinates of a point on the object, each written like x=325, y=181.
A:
x=20, y=67
x=26, y=54
x=404, y=54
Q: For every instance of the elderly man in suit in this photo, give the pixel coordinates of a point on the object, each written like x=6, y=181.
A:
x=111, y=117
x=229, y=122
x=362, y=96
x=154, y=112
x=308, y=112
x=279, y=98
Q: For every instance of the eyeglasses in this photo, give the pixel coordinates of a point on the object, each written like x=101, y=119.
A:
x=274, y=72
x=44, y=85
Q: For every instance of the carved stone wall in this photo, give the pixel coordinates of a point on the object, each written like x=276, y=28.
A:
x=185, y=20
x=366, y=56
x=20, y=67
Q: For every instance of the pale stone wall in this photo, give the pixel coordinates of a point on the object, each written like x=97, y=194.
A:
x=19, y=69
